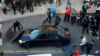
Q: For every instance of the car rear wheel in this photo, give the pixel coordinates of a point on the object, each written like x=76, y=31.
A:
x=27, y=45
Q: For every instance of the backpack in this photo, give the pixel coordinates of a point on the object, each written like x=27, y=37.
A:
x=85, y=6
x=85, y=22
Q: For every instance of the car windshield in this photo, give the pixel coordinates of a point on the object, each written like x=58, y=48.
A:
x=61, y=32
x=35, y=33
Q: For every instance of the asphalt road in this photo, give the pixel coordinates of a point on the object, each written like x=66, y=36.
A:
x=33, y=21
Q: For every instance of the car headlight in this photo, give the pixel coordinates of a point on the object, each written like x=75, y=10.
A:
x=20, y=41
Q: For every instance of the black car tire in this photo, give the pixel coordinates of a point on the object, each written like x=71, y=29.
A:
x=27, y=45
x=58, y=44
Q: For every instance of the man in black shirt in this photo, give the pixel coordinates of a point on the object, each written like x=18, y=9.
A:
x=49, y=16
x=17, y=25
x=85, y=24
x=57, y=20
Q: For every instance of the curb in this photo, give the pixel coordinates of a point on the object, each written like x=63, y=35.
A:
x=25, y=15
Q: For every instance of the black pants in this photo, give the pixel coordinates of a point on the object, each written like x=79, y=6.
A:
x=14, y=10
x=44, y=1
x=97, y=27
x=50, y=1
x=57, y=23
x=66, y=17
x=59, y=1
x=73, y=20
x=27, y=5
x=85, y=10
x=31, y=8
x=83, y=48
x=37, y=2
x=85, y=28
x=21, y=10
x=48, y=18
x=1, y=53
x=80, y=20
x=87, y=51
x=16, y=27
x=4, y=10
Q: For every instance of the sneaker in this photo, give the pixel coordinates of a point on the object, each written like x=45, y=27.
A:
x=90, y=32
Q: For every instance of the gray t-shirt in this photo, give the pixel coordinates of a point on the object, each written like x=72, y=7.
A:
x=73, y=12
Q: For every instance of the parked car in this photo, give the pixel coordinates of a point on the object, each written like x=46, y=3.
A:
x=46, y=35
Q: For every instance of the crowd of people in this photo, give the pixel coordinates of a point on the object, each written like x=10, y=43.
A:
x=20, y=5
x=90, y=23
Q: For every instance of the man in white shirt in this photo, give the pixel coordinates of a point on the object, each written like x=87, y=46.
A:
x=83, y=40
x=83, y=43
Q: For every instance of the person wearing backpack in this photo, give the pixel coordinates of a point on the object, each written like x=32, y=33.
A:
x=49, y=16
x=85, y=6
x=67, y=14
x=57, y=20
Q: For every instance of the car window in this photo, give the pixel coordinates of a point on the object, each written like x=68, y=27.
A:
x=51, y=36
x=61, y=32
x=42, y=36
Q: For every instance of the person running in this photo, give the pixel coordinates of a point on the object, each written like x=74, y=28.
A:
x=49, y=16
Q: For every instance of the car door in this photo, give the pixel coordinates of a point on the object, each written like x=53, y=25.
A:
x=50, y=39
x=40, y=40
x=47, y=39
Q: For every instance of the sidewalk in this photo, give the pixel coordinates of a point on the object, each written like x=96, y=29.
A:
x=39, y=10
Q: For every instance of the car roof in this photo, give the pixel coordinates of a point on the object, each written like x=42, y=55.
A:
x=47, y=28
